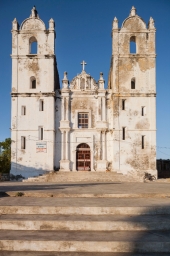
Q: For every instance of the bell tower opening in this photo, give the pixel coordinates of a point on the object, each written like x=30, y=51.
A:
x=33, y=45
x=133, y=45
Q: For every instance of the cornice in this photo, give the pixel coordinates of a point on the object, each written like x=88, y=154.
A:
x=38, y=94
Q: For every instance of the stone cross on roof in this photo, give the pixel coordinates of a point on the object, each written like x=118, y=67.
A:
x=83, y=63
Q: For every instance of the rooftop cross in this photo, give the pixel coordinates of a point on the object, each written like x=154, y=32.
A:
x=83, y=63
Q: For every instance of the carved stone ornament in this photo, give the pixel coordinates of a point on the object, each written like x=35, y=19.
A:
x=15, y=24
x=133, y=11
x=151, y=23
x=101, y=81
x=83, y=105
x=51, y=24
x=115, y=23
x=65, y=81
x=83, y=82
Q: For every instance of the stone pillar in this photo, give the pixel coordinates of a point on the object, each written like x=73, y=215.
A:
x=102, y=163
x=99, y=109
x=62, y=110
x=103, y=145
x=92, y=160
x=67, y=108
x=64, y=162
x=103, y=109
x=100, y=152
x=74, y=163
x=62, y=145
x=66, y=143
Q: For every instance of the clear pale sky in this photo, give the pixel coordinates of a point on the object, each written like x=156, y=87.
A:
x=83, y=32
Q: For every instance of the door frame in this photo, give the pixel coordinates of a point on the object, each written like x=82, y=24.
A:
x=87, y=148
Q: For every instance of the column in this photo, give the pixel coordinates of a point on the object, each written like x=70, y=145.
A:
x=62, y=111
x=99, y=109
x=100, y=139
x=103, y=145
x=74, y=163
x=67, y=143
x=103, y=109
x=62, y=145
x=67, y=108
x=92, y=160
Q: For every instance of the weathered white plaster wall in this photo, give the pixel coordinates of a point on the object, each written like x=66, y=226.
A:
x=129, y=157
x=28, y=162
x=104, y=107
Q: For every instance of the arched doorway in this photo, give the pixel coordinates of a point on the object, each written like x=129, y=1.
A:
x=83, y=162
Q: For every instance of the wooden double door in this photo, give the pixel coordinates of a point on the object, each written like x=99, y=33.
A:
x=83, y=161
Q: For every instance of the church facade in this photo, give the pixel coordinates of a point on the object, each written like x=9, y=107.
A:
x=80, y=125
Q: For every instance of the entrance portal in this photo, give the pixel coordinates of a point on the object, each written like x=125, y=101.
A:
x=83, y=162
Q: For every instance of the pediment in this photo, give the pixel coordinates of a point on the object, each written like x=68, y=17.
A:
x=83, y=81
x=134, y=23
x=33, y=24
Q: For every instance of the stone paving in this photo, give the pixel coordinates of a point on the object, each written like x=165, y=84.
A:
x=85, y=189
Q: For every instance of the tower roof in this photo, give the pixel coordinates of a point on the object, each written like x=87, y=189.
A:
x=33, y=22
x=137, y=25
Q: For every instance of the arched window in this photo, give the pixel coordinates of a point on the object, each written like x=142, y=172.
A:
x=133, y=45
x=33, y=45
x=133, y=83
x=33, y=82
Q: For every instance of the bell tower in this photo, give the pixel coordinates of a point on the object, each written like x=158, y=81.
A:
x=34, y=81
x=132, y=84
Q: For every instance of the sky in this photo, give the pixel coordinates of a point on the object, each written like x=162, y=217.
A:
x=83, y=32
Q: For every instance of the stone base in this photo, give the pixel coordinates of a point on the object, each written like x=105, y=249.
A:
x=101, y=165
x=64, y=165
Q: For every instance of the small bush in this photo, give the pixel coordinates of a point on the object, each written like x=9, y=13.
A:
x=19, y=194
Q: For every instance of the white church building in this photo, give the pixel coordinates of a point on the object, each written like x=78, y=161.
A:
x=80, y=125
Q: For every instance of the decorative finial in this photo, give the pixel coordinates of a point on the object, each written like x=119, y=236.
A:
x=83, y=64
x=101, y=76
x=101, y=81
x=65, y=81
x=151, y=23
x=34, y=12
x=115, y=23
x=65, y=76
x=133, y=11
x=51, y=24
x=15, y=24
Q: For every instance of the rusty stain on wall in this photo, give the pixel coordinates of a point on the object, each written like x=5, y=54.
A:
x=143, y=124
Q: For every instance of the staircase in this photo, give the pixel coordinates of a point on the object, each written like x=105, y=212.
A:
x=84, y=226
x=79, y=176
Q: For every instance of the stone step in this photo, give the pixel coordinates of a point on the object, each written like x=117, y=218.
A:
x=86, y=241
x=80, y=176
x=84, y=222
x=83, y=210
x=83, y=195
x=86, y=190
x=85, y=206
x=85, y=226
x=17, y=253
